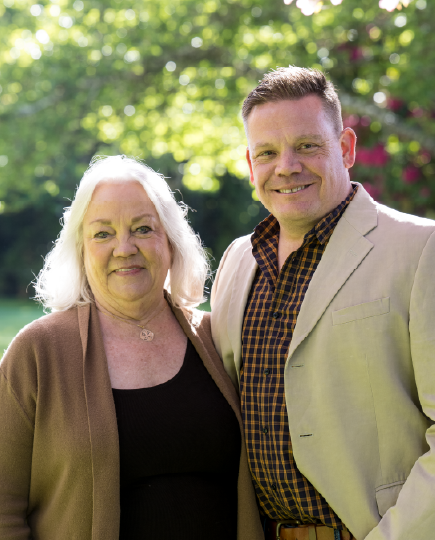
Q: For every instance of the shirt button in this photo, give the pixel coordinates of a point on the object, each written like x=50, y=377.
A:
x=273, y=486
x=265, y=430
x=275, y=315
x=267, y=371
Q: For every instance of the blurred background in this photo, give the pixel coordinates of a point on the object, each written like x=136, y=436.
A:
x=164, y=81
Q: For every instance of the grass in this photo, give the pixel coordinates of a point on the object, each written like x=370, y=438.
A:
x=14, y=314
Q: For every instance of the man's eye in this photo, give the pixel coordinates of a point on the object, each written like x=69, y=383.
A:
x=101, y=234
x=266, y=153
x=307, y=146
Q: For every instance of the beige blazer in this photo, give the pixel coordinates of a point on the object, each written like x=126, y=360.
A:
x=59, y=448
x=360, y=371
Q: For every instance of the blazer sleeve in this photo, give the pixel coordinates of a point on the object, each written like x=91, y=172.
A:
x=16, y=440
x=218, y=274
x=413, y=515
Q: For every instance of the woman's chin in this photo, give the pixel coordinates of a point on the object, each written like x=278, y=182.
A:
x=128, y=294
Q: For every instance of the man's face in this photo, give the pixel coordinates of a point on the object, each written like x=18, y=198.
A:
x=298, y=164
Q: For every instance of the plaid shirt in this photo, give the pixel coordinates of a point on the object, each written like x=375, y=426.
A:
x=270, y=318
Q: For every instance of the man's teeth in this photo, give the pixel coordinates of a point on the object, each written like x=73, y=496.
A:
x=126, y=269
x=292, y=190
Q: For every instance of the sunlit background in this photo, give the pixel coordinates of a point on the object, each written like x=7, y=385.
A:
x=165, y=80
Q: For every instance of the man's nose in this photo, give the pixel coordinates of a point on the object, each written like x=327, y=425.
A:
x=125, y=246
x=288, y=163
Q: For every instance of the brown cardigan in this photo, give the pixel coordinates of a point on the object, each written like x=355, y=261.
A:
x=59, y=450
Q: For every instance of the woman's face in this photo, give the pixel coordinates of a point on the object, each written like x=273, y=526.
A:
x=126, y=251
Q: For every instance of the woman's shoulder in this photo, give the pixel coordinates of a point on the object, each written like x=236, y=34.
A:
x=198, y=319
x=45, y=333
x=50, y=324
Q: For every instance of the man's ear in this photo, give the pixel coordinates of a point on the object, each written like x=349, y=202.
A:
x=348, y=144
x=248, y=159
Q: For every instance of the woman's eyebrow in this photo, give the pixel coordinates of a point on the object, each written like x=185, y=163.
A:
x=104, y=221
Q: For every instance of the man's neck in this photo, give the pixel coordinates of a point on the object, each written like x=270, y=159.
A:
x=287, y=244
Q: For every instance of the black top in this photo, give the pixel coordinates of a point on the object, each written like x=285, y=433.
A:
x=179, y=458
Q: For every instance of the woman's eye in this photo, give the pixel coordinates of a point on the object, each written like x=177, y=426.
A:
x=102, y=234
x=143, y=230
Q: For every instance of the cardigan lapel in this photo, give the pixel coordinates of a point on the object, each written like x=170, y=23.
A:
x=345, y=251
x=103, y=428
x=192, y=324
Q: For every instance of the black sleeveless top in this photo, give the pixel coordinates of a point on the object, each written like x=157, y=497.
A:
x=179, y=458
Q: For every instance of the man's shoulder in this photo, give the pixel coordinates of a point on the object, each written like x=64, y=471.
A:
x=239, y=244
x=392, y=216
x=231, y=260
x=235, y=250
x=403, y=229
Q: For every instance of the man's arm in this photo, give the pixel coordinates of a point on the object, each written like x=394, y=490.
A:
x=219, y=272
x=413, y=516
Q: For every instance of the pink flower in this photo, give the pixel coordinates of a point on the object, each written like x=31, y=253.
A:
x=372, y=190
x=356, y=53
x=417, y=112
x=394, y=104
x=351, y=120
x=379, y=156
x=373, y=157
x=410, y=174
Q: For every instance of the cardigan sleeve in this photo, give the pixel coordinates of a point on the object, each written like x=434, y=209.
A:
x=17, y=395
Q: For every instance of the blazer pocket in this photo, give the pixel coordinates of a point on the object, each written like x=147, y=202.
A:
x=361, y=311
x=386, y=496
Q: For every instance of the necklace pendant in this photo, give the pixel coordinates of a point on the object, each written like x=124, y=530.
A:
x=146, y=335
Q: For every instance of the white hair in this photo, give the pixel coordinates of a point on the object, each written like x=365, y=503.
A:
x=62, y=283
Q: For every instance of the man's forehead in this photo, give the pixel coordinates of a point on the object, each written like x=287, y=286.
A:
x=298, y=118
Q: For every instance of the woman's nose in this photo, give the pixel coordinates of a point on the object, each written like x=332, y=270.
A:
x=126, y=246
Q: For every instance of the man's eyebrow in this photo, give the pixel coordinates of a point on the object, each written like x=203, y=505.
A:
x=311, y=136
x=104, y=221
x=261, y=145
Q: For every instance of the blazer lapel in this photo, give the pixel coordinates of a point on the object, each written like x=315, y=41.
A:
x=345, y=251
x=243, y=279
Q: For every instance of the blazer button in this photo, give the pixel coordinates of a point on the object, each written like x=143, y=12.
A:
x=265, y=430
x=266, y=371
x=273, y=486
x=275, y=315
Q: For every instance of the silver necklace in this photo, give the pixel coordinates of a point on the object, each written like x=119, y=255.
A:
x=145, y=334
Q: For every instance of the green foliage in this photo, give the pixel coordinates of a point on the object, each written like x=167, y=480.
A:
x=165, y=81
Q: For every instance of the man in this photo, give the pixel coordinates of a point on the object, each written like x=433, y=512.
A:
x=325, y=320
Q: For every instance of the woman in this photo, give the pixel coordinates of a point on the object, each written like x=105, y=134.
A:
x=117, y=419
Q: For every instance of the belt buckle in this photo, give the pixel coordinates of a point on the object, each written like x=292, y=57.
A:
x=279, y=524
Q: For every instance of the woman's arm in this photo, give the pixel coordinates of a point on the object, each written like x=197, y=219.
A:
x=16, y=442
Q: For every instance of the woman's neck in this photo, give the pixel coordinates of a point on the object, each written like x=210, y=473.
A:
x=138, y=311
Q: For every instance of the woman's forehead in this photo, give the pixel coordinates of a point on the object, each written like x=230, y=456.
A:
x=112, y=201
x=119, y=190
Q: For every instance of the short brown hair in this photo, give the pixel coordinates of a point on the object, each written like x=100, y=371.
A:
x=295, y=83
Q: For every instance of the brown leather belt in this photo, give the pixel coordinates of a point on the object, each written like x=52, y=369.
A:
x=289, y=530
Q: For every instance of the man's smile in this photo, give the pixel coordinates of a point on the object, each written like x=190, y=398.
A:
x=293, y=190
